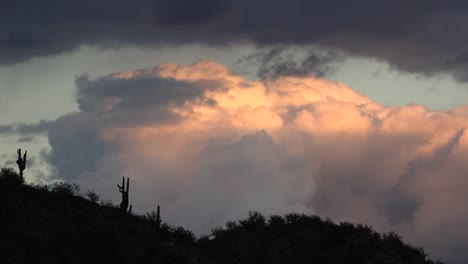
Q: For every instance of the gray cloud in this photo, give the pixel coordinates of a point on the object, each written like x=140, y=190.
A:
x=424, y=37
x=76, y=146
x=25, y=139
x=288, y=61
x=140, y=98
x=187, y=12
x=144, y=92
x=400, y=206
x=25, y=129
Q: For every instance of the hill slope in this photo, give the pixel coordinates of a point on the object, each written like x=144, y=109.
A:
x=52, y=224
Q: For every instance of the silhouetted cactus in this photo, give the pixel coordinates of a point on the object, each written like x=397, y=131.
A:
x=158, y=219
x=124, y=192
x=154, y=217
x=21, y=163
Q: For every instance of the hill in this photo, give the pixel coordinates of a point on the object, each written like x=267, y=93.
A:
x=55, y=224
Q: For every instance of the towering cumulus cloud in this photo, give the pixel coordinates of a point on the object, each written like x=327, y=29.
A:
x=210, y=146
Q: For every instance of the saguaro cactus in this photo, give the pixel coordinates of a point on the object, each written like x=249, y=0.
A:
x=21, y=161
x=158, y=219
x=124, y=192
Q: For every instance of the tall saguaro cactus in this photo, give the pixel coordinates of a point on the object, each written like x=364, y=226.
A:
x=124, y=192
x=158, y=219
x=21, y=161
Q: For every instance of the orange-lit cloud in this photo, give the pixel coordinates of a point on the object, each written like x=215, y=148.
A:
x=209, y=146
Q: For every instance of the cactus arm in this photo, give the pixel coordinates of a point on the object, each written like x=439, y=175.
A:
x=18, y=161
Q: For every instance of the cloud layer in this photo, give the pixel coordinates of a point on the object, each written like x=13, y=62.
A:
x=209, y=146
x=423, y=36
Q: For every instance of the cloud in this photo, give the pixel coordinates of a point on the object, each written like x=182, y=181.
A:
x=290, y=61
x=425, y=37
x=25, y=129
x=187, y=12
x=209, y=146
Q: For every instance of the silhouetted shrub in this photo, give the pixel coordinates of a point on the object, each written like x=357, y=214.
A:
x=178, y=233
x=9, y=177
x=232, y=226
x=217, y=232
x=92, y=196
x=392, y=238
x=68, y=189
x=292, y=218
x=184, y=234
x=153, y=218
x=40, y=187
x=276, y=220
x=301, y=238
x=204, y=239
x=108, y=203
x=255, y=220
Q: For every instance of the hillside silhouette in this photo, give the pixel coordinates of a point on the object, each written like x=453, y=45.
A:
x=57, y=224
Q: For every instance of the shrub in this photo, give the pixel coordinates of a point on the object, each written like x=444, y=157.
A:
x=183, y=234
x=255, y=220
x=152, y=217
x=292, y=218
x=232, y=226
x=68, y=189
x=392, y=238
x=41, y=187
x=108, y=203
x=276, y=220
x=92, y=196
x=9, y=177
x=178, y=233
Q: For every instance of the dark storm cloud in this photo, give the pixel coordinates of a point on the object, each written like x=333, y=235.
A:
x=417, y=36
x=32, y=28
x=289, y=61
x=189, y=12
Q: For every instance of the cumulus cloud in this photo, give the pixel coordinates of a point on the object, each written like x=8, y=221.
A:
x=423, y=36
x=209, y=146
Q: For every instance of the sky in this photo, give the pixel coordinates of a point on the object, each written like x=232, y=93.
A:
x=352, y=110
